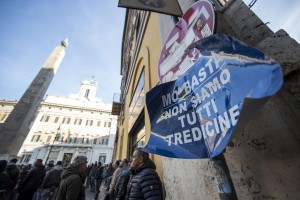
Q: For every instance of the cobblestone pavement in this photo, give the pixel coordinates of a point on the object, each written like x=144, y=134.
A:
x=90, y=195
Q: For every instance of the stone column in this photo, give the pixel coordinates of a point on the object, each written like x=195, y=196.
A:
x=16, y=127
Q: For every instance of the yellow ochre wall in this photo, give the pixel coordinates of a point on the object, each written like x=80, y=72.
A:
x=148, y=57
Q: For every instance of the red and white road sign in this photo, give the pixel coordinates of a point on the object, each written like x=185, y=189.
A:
x=198, y=22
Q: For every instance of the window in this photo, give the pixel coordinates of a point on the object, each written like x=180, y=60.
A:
x=104, y=124
x=56, y=119
x=78, y=122
x=102, y=158
x=137, y=101
x=66, y=120
x=48, y=138
x=3, y=117
x=82, y=140
x=25, y=158
x=137, y=134
x=105, y=141
x=95, y=141
x=60, y=139
x=87, y=93
x=89, y=122
x=35, y=138
x=45, y=118
x=98, y=123
x=109, y=124
x=74, y=139
x=67, y=159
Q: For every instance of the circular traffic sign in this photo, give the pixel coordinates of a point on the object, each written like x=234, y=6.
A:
x=197, y=22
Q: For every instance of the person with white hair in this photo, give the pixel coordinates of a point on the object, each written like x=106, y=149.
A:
x=72, y=180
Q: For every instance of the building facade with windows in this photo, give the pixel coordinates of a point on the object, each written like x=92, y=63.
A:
x=259, y=161
x=64, y=127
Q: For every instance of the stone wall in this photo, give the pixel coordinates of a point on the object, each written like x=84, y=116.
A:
x=263, y=158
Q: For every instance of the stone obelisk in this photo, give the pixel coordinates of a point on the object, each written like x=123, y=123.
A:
x=16, y=127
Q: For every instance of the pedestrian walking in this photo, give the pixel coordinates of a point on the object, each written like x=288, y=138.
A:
x=98, y=180
x=14, y=173
x=71, y=186
x=92, y=176
x=108, y=172
x=122, y=181
x=87, y=176
x=145, y=183
x=31, y=182
x=51, y=182
x=116, y=173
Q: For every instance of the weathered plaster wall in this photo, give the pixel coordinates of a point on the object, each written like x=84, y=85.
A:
x=189, y=179
x=263, y=159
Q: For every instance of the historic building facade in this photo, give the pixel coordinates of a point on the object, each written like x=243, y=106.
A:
x=261, y=161
x=64, y=127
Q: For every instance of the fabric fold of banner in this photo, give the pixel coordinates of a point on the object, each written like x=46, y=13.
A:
x=194, y=116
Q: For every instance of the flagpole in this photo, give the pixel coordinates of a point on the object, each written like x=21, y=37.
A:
x=55, y=138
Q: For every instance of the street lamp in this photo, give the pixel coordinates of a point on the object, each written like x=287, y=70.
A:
x=55, y=138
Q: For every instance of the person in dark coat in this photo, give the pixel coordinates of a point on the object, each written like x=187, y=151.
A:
x=13, y=172
x=51, y=182
x=24, y=172
x=72, y=180
x=98, y=179
x=122, y=181
x=145, y=183
x=5, y=181
x=29, y=185
x=87, y=175
x=92, y=175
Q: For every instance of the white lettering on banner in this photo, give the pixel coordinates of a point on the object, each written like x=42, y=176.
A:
x=209, y=128
x=213, y=65
x=174, y=111
x=177, y=137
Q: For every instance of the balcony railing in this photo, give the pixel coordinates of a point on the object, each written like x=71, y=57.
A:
x=116, y=107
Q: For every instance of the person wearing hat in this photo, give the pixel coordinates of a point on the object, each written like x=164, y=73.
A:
x=72, y=180
x=49, y=166
x=13, y=172
x=29, y=185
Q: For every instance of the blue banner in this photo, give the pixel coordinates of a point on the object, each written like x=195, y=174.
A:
x=194, y=116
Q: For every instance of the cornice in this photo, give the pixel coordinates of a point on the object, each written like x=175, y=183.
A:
x=47, y=104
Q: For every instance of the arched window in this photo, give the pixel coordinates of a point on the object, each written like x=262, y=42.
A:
x=87, y=93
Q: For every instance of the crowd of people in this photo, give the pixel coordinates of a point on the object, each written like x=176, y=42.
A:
x=131, y=179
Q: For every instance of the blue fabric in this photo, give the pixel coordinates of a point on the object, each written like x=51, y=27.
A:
x=194, y=116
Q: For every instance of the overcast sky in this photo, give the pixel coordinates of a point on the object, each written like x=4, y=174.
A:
x=31, y=29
